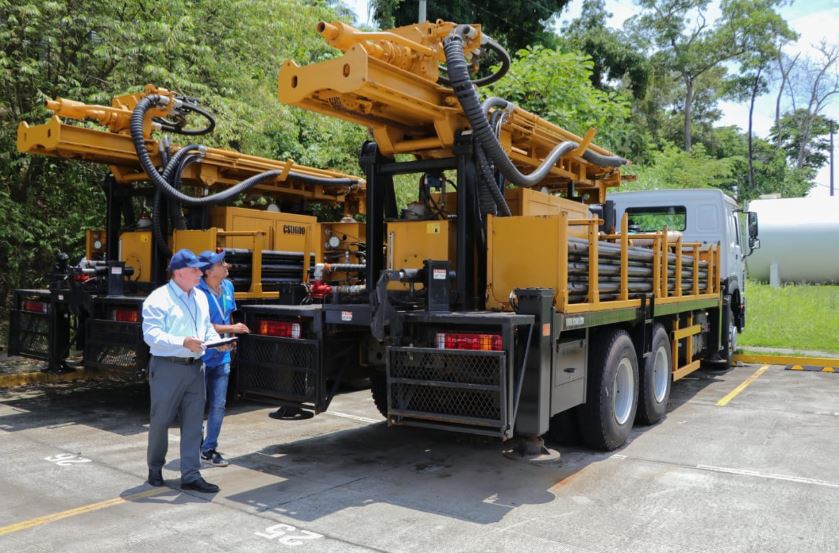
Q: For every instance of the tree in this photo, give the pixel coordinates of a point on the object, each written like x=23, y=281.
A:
x=514, y=24
x=612, y=51
x=224, y=52
x=814, y=83
x=804, y=139
x=687, y=44
x=557, y=86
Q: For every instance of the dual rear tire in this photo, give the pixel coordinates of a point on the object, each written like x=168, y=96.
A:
x=619, y=392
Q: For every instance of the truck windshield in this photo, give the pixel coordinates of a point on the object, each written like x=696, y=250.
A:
x=651, y=219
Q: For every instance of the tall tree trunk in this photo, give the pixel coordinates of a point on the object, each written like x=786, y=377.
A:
x=755, y=87
x=688, y=106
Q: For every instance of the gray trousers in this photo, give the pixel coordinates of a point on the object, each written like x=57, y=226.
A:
x=176, y=389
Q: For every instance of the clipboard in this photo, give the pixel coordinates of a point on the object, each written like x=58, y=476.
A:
x=222, y=342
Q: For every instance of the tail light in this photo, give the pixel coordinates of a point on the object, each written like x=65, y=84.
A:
x=125, y=315
x=32, y=306
x=282, y=329
x=478, y=342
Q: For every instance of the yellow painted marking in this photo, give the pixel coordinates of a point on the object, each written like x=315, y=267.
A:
x=733, y=393
x=786, y=359
x=31, y=523
x=37, y=377
x=828, y=370
x=796, y=368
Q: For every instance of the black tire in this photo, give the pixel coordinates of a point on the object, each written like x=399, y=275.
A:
x=378, y=386
x=599, y=424
x=651, y=406
x=729, y=335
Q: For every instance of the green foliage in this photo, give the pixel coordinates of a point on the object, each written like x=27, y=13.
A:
x=615, y=57
x=807, y=311
x=557, y=86
x=224, y=52
x=675, y=168
x=514, y=24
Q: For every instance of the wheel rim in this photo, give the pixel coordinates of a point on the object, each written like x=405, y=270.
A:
x=732, y=339
x=661, y=374
x=623, y=391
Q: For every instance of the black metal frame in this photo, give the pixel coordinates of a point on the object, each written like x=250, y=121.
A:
x=115, y=345
x=512, y=361
x=249, y=368
x=50, y=330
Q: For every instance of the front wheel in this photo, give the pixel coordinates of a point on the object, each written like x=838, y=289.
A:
x=612, y=391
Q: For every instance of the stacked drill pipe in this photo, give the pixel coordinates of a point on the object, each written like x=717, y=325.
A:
x=278, y=267
x=641, y=271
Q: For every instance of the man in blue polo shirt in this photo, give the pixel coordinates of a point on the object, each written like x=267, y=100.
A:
x=219, y=293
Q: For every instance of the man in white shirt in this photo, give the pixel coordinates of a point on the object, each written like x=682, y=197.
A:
x=176, y=323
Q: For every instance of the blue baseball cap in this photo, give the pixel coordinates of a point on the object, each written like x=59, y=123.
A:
x=209, y=258
x=184, y=258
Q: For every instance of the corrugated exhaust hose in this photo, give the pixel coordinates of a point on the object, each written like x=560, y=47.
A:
x=475, y=113
x=170, y=191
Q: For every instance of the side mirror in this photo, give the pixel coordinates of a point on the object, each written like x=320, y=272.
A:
x=754, y=243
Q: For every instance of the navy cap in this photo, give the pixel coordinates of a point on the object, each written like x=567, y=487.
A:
x=184, y=258
x=209, y=258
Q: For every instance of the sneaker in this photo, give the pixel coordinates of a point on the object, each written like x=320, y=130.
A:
x=214, y=458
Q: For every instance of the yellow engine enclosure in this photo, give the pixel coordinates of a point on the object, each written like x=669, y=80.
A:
x=284, y=231
x=409, y=243
x=135, y=249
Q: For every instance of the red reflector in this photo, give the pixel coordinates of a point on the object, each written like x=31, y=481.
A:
x=282, y=329
x=126, y=315
x=479, y=342
x=32, y=306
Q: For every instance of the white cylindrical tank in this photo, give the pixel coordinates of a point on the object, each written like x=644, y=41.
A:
x=800, y=235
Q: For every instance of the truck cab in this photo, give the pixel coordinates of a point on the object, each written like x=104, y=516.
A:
x=701, y=215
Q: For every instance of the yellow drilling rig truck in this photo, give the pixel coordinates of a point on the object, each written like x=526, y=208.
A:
x=162, y=197
x=507, y=300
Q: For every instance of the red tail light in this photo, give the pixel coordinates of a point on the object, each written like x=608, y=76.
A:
x=479, y=342
x=32, y=306
x=282, y=329
x=125, y=315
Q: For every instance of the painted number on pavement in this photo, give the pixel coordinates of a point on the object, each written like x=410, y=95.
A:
x=66, y=459
x=287, y=534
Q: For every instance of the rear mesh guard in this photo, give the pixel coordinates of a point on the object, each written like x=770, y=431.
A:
x=113, y=345
x=30, y=335
x=467, y=389
x=282, y=369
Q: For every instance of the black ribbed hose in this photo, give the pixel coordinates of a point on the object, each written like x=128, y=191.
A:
x=469, y=101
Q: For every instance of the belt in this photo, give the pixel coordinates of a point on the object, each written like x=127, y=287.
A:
x=180, y=360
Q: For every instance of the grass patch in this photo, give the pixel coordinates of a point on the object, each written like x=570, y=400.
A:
x=799, y=317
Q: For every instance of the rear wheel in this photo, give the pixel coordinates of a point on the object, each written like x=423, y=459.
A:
x=655, y=379
x=378, y=386
x=729, y=335
x=612, y=391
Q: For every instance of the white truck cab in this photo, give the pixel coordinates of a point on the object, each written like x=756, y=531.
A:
x=702, y=215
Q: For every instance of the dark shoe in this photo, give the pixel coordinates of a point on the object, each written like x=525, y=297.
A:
x=200, y=485
x=156, y=478
x=214, y=458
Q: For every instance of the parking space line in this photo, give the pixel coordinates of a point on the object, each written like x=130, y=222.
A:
x=743, y=385
x=31, y=523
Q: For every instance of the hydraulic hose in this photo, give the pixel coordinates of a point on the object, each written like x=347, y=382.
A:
x=489, y=184
x=136, y=127
x=469, y=101
x=489, y=79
